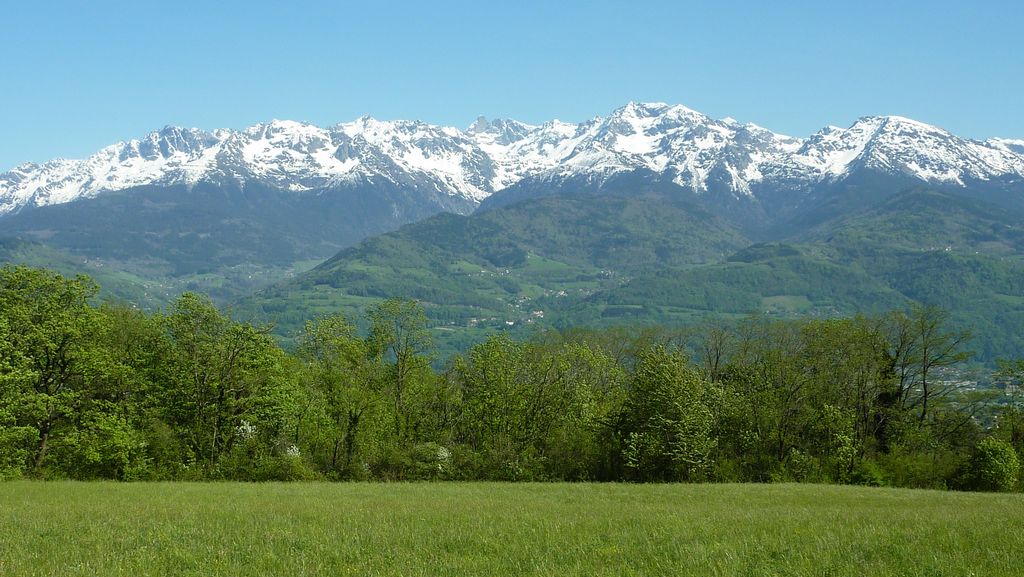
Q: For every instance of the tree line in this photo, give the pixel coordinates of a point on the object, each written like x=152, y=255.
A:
x=96, y=390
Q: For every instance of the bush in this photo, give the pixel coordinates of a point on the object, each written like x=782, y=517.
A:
x=253, y=461
x=430, y=461
x=466, y=464
x=994, y=467
x=391, y=464
x=284, y=468
x=102, y=446
x=799, y=467
x=15, y=443
x=169, y=459
x=867, y=473
x=922, y=468
x=666, y=425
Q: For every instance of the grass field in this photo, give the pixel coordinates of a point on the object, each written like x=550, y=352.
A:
x=110, y=529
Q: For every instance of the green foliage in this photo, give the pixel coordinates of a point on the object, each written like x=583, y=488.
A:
x=102, y=445
x=537, y=410
x=1010, y=417
x=994, y=467
x=867, y=473
x=251, y=459
x=15, y=439
x=666, y=424
x=105, y=391
x=344, y=384
x=400, y=340
x=54, y=364
x=229, y=372
x=919, y=460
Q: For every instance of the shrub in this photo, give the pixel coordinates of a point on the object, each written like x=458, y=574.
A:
x=14, y=450
x=283, y=468
x=429, y=461
x=867, y=473
x=994, y=467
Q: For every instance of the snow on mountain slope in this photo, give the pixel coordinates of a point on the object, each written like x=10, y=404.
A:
x=653, y=136
x=1012, y=146
x=170, y=156
x=692, y=149
x=903, y=146
x=444, y=155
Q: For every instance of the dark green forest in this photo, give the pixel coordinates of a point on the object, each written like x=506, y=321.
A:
x=98, y=390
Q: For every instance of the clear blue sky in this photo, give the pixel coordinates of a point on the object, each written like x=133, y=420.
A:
x=80, y=75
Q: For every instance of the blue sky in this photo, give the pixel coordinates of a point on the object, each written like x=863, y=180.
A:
x=81, y=75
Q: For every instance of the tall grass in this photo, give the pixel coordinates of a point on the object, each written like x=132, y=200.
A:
x=111, y=529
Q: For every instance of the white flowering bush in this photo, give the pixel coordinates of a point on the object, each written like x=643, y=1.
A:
x=245, y=430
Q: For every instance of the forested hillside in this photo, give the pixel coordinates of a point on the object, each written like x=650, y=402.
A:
x=654, y=257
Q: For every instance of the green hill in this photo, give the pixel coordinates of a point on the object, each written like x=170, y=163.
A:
x=226, y=241
x=115, y=284
x=492, y=268
x=924, y=220
x=563, y=261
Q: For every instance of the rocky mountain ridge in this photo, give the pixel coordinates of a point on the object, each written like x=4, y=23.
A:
x=699, y=153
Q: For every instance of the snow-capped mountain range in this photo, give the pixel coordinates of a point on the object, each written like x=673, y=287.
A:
x=693, y=150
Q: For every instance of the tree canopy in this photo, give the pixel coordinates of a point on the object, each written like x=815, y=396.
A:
x=93, y=390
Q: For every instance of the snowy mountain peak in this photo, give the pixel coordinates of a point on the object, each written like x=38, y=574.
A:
x=479, y=125
x=165, y=143
x=640, y=109
x=652, y=109
x=500, y=130
x=904, y=146
x=688, y=147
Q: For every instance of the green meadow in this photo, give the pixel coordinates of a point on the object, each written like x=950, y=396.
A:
x=494, y=529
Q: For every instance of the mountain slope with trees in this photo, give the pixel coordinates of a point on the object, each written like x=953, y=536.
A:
x=656, y=258
x=492, y=267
